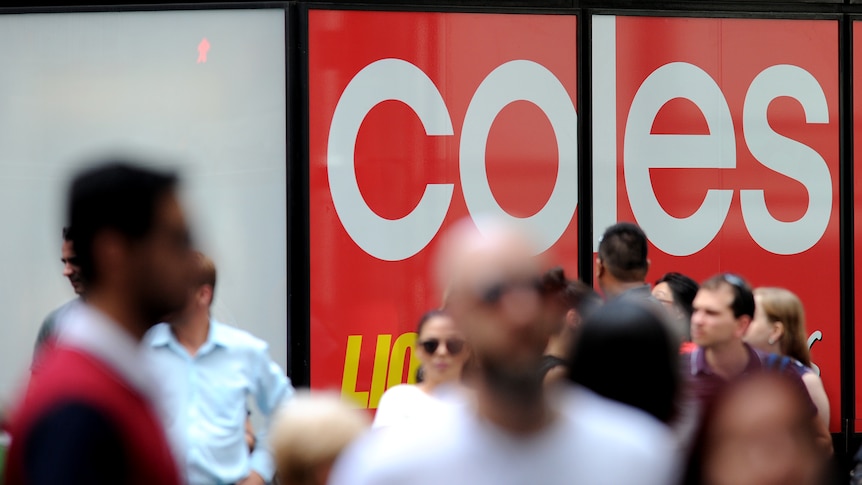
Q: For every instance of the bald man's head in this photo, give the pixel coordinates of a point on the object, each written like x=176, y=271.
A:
x=491, y=279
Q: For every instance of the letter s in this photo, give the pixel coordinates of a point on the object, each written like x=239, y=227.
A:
x=787, y=157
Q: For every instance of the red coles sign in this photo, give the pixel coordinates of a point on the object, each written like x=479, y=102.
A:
x=417, y=120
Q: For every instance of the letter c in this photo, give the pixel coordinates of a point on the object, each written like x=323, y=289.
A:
x=384, y=80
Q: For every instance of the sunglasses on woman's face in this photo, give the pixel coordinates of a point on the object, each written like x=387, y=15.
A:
x=453, y=346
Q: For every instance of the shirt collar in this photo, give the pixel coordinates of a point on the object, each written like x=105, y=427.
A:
x=699, y=364
x=88, y=329
x=217, y=335
x=161, y=335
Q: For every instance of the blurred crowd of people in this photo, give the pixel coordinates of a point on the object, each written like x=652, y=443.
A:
x=526, y=376
x=529, y=377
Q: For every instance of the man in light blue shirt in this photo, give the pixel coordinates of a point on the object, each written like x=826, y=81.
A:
x=208, y=371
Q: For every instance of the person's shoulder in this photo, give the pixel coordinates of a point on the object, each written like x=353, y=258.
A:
x=404, y=391
x=237, y=338
x=781, y=363
x=156, y=334
x=65, y=307
x=604, y=420
x=56, y=314
x=400, y=454
x=619, y=434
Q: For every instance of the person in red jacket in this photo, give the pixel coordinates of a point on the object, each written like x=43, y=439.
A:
x=88, y=415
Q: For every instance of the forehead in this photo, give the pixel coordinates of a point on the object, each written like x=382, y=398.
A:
x=760, y=403
x=663, y=289
x=438, y=324
x=714, y=298
x=479, y=259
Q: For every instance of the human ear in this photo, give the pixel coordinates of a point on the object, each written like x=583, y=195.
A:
x=777, y=332
x=744, y=322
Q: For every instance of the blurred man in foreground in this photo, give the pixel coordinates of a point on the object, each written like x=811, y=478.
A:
x=88, y=414
x=208, y=371
x=758, y=431
x=514, y=432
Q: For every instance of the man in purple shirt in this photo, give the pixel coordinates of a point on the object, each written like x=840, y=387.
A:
x=723, y=309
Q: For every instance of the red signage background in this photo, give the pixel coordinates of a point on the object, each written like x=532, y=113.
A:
x=857, y=214
x=363, y=309
x=733, y=52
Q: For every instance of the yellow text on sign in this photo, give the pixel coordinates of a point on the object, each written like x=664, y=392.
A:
x=388, y=370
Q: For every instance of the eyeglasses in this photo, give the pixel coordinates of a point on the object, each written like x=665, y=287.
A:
x=453, y=346
x=492, y=294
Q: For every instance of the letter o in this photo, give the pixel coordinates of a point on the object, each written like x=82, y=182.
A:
x=521, y=80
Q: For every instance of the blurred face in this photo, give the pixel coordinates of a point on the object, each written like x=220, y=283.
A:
x=442, y=350
x=713, y=322
x=663, y=294
x=71, y=269
x=194, y=303
x=762, y=435
x=761, y=329
x=164, y=262
x=499, y=307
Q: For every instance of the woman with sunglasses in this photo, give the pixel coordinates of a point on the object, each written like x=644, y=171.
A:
x=442, y=353
x=778, y=327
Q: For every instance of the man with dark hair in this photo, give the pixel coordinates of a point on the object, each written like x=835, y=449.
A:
x=205, y=414
x=72, y=271
x=88, y=415
x=723, y=309
x=621, y=263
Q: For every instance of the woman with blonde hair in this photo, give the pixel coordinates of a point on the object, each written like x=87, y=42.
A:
x=779, y=327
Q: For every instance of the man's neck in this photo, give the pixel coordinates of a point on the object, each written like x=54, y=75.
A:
x=728, y=360
x=616, y=288
x=120, y=312
x=192, y=333
x=517, y=411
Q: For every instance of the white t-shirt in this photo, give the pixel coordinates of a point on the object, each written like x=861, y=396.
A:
x=406, y=404
x=593, y=441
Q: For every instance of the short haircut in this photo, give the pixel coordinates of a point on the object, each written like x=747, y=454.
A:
x=743, y=297
x=67, y=234
x=114, y=195
x=684, y=290
x=570, y=294
x=623, y=251
x=205, y=270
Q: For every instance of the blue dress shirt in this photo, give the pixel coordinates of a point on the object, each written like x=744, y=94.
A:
x=205, y=398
